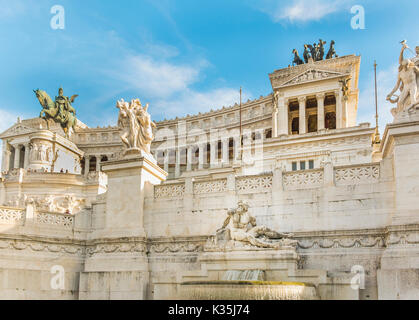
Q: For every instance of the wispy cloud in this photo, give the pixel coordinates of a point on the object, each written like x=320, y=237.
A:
x=300, y=10
x=170, y=86
x=157, y=75
x=386, y=79
x=157, y=78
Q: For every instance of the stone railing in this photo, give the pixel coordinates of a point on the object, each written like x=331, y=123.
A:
x=303, y=179
x=291, y=180
x=15, y=216
x=169, y=191
x=360, y=174
x=212, y=186
x=55, y=219
x=20, y=216
x=254, y=184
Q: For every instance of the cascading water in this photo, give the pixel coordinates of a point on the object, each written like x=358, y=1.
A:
x=247, y=285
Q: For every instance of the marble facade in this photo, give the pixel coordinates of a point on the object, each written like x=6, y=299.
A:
x=138, y=228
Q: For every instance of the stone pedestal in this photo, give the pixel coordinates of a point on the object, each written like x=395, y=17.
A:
x=398, y=277
x=116, y=265
x=127, y=179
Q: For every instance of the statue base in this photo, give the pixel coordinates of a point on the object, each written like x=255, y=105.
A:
x=134, y=153
x=408, y=114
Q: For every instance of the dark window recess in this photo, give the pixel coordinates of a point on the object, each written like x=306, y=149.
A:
x=294, y=166
x=311, y=164
x=302, y=165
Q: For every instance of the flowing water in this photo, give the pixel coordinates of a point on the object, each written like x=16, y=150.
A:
x=247, y=285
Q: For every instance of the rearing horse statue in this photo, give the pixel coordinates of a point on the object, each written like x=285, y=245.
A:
x=51, y=110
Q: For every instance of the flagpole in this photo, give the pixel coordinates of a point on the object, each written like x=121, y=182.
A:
x=241, y=142
x=376, y=139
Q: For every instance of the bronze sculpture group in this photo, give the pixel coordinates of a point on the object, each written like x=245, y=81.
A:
x=314, y=52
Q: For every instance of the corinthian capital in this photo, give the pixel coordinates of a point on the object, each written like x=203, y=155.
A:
x=302, y=99
x=320, y=96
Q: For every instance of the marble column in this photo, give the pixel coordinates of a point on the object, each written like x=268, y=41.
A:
x=5, y=157
x=166, y=160
x=17, y=156
x=283, y=116
x=339, y=113
x=26, y=160
x=237, y=148
x=225, y=151
x=275, y=122
x=213, y=154
x=177, y=166
x=302, y=115
x=320, y=111
x=189, y=158
x=86, y=164
x=201, y=155
x=98, y=160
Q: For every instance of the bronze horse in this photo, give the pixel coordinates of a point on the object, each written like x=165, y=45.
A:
x=51, y=111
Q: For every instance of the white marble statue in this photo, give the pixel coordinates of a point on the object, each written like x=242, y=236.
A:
x=136, y=125
x=407, y=83
x=243, y=228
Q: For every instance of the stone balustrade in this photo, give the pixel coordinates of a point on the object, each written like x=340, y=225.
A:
x=55, y=219
x=13, y=216
x=360, y=174
x=22, y=216
x=303, y=179
x=291, y=180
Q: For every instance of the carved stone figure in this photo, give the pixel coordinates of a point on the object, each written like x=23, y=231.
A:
x=243, y=228
x=297, y=59
x=136, y=126
x=59, y=111
x=345, y=87
x=407, y=83
x=332, y=52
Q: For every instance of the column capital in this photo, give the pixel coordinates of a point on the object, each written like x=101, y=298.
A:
x=337, y=92
x=321, y=96
x=302, y=99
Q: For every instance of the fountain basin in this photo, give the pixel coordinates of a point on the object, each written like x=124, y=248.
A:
x=247, y=290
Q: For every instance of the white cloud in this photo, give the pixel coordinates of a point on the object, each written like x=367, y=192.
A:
x=192, y=102
x=300, y=10
x=7, y=119
x=169, y=86
x=386, y=79
x=157, y=78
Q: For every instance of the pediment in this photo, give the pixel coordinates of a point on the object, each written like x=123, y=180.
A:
x=312, y=75
x=16, y=130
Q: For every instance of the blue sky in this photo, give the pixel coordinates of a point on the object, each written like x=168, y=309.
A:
x=184, y=57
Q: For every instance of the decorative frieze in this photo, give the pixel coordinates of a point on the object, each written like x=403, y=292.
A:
x=212, y=186
x=169, y=191
x=357, y=175
x=37, y=246
x=109, y=248
x=343, y=242
x=254, y=184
